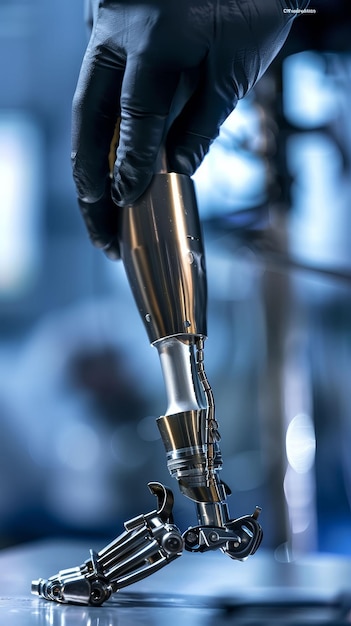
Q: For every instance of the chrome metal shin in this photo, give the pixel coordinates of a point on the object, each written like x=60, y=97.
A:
x=163, y=255
x=162, y=250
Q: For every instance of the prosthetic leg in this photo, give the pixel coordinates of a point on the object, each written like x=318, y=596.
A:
x=162, y=251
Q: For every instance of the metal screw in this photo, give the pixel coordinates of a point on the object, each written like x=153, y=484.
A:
x=172, y=543
x=55, y=591
x=191, y=537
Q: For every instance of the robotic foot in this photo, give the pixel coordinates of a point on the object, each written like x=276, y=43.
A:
x=148, y=543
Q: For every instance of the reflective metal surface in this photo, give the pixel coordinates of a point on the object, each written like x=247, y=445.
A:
x=183, y=387
x=149, y=542
x=196, y=590
x=163, y=255
x=184, y=437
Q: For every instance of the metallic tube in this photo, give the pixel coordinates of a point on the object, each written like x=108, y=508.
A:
x=163, y=255
x=184, y=438
x=179, y=368
x=212, y=513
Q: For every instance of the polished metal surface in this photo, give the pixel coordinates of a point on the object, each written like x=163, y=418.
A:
x=212, y=513
x=196, y=590
x=180, y=374
x=163, y=255
x=184, y=437
x=148, y=543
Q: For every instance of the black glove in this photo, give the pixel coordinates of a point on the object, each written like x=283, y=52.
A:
x=172, y=70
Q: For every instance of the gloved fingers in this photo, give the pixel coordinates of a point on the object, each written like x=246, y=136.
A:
x=231, y=69
x=147, y=94
x=102, y=222
x=95, y=112
x=198, y=124
x=94, y=122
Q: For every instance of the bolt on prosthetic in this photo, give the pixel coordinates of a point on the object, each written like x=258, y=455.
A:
x=163, y=255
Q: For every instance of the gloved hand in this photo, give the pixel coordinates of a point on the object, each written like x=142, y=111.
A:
x=172, y=71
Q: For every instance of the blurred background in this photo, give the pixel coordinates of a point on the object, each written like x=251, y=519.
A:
x=80, y=387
